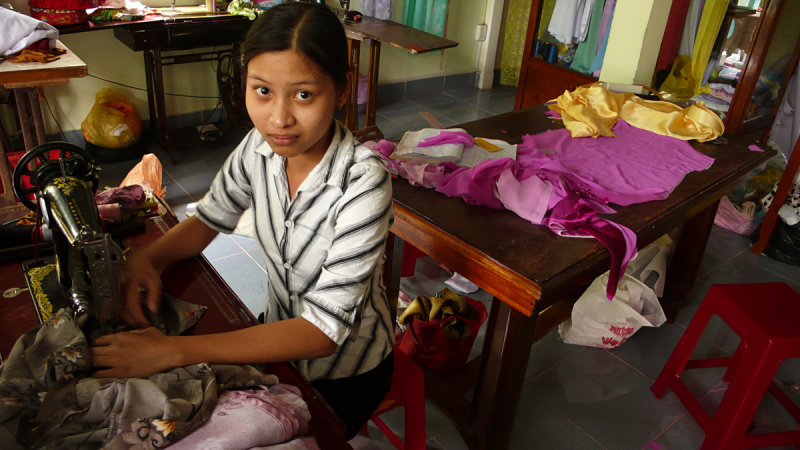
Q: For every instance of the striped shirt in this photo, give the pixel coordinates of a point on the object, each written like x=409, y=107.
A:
x=324, y=248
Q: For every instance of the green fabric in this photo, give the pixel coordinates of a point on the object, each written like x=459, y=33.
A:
x=544, y=18
x=516, y=28
x=587, y=50
x=426, y=15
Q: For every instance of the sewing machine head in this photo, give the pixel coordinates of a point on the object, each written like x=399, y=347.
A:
x=86, y=272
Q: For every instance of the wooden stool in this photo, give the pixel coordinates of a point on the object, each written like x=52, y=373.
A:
x=766, y=316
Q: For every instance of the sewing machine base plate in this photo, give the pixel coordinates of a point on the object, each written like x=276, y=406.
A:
x=47, y=294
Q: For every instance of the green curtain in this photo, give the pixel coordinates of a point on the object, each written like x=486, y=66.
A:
x=426, y=15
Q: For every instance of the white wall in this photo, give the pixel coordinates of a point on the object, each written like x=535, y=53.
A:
x=108, y=58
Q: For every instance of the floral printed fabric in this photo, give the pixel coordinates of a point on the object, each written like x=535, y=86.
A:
x=49, y=400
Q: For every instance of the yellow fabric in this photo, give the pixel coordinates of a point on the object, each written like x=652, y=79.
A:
x=710, y=23
x=592, y=110
x=679, y=84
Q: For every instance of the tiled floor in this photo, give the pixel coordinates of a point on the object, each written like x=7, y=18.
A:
x=573, y=397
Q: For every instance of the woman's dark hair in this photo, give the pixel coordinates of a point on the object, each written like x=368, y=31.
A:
x=310, y=28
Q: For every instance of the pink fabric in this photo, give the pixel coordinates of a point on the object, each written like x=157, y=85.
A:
x=575, y=217
x=448, y=137
x=575, y=179
x=129, y=197
x=416, y=172
x=754, y=148
x=252, y=418
x=634, y=167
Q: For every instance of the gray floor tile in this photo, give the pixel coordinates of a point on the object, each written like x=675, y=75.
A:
x=221, y=247
x=602, y=396
x=537, y=425
x=246, y=278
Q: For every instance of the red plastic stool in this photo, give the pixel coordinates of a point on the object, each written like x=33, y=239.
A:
x=410, y=256
x=408, y=392
x=766, y=316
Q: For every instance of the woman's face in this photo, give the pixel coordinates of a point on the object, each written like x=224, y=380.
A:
x=291, y=102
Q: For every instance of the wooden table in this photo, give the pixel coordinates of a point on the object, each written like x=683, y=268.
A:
x=535, y=275
x=26, y=80
x=378, y=31
x=194, y=280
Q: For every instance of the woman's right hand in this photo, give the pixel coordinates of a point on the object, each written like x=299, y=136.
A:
x=139, y=275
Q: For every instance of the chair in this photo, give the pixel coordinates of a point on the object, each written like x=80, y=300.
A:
x=766, y=318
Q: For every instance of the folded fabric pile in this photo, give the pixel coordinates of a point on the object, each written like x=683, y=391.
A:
x=19, y=31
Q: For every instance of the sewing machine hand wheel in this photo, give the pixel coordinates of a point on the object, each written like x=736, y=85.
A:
x=41, y=154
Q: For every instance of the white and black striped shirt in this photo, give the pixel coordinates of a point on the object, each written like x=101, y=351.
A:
x=324, y=248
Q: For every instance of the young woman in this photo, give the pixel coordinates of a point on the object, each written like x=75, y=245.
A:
x=322, y=208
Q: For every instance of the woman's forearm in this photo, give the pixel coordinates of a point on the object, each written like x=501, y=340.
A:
x=286, y=340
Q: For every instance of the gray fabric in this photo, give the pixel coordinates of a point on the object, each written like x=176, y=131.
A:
x=50, y=401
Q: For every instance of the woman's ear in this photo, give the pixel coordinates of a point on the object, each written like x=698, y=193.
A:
x=344, y=95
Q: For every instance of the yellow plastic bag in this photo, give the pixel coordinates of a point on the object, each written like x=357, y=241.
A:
x=113, y=121
x=680, y=82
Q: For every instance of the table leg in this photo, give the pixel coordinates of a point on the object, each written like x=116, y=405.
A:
x=351, y=112
x=509, y=337
x=155, y=94
x=372, y=87
x=686, y=258
x=370, y=132
x=21, y=96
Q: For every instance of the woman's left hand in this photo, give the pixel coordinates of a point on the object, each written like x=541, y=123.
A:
x=133, y=354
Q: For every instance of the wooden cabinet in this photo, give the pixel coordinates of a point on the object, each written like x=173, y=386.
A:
x=539, y=80
x=768, y=59
x=763, y=62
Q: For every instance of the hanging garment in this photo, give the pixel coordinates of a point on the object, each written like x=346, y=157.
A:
x=570, y=20
x=587, y=50
x=710, y=23
x=672, y=33
x=689, y=33
x=516, y=28
x=426, y=15
x=592, y=110
x=379, y=9
x=786, y=127
x=605, y=30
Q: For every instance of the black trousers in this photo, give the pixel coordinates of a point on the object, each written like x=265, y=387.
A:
x=354, y=399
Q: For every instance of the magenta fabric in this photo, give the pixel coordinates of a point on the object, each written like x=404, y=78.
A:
x=634, y=167
x=448, y=137
x=128, y=196
x=575, y=217
x=754, y=148
x=565, y=182
x=417, y=173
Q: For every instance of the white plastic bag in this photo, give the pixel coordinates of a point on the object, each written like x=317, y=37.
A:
x=598, y=322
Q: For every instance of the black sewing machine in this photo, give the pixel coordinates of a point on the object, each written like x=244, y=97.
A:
x=58, y=181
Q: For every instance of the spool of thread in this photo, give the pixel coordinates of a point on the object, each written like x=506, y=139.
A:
x=551, y=53
x=538, y=49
